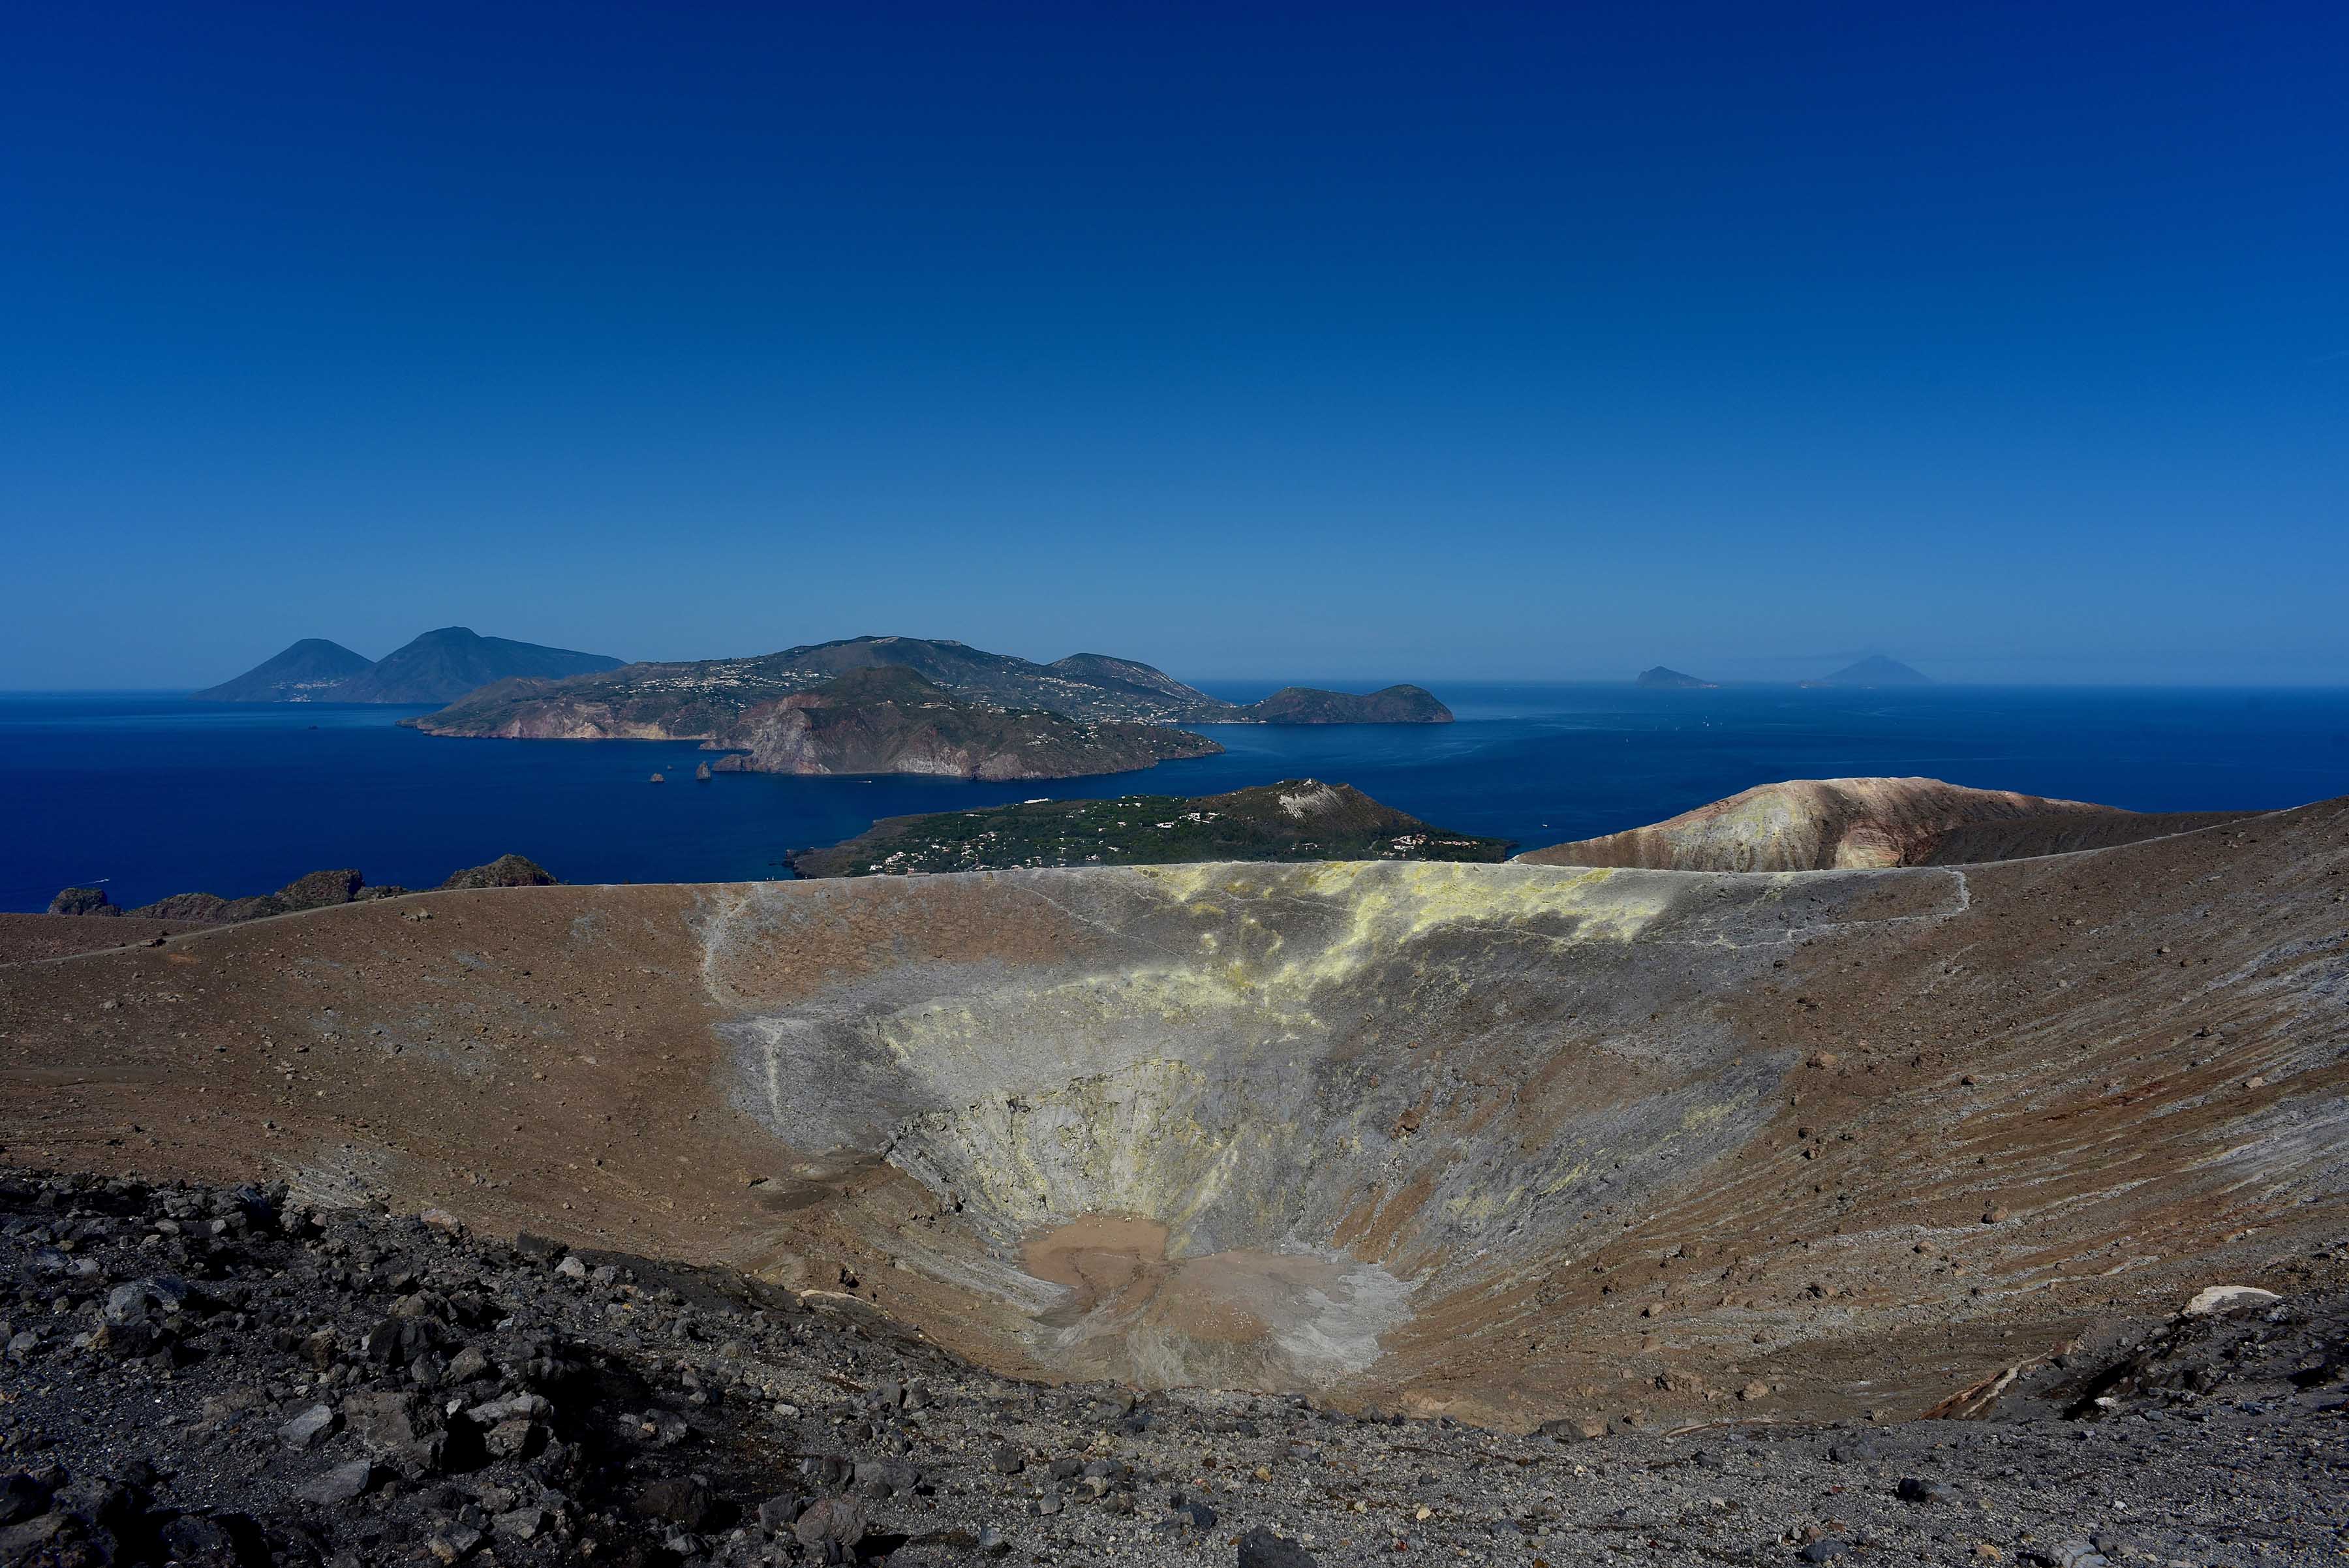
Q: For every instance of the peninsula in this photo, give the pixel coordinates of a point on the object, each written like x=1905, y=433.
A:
x=1296, y=819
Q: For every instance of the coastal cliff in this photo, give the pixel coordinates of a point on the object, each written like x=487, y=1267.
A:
x=891, y=720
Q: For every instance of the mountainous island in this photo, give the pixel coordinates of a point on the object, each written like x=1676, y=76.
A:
x=303, y=673
x=890, y=720
x=1660, y=679
x=438, y=666
x=1874, y=670
x=1296, y=819
x=982, y=715
x=1306, y=705
x=701, y=699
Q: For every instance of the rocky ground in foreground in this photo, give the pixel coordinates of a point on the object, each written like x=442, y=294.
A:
x=227, y=1377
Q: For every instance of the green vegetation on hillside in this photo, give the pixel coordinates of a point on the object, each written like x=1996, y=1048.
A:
x=1297, y=819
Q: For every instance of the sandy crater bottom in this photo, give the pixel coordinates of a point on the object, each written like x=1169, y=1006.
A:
x=1240, y=1318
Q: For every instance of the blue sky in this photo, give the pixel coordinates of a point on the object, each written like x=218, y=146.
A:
x=1347, y=342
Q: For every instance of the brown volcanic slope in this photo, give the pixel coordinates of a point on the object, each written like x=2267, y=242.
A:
x=25, y=935
x=1818, y=824
x=1511, y=1141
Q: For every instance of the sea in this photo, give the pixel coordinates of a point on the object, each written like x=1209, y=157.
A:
x=146, y=794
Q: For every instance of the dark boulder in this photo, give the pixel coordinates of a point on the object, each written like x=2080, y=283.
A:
x=82, y=901
x=505, y=871
x=208, y=907
x=321, y=889
x=1260, y=1548
x=684, y=1500
x=23, y=1497
x=831, y=1524
x=405, y=1431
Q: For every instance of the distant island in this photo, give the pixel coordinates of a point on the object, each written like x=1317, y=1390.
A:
x=438, y=666
x=1874, y=670
x=1296, y=819
x=890, y=720
x=1306, y=705
x=1659, y=678
x=715, y=700
x=303, y=673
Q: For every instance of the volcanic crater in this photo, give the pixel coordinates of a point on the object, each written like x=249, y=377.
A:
x=1517, y=1143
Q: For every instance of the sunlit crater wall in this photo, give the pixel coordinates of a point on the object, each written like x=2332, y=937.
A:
x=1443, y=1070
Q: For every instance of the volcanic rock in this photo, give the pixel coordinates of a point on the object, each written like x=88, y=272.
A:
x=505, y=871
x=82, y=901
x=320, y=889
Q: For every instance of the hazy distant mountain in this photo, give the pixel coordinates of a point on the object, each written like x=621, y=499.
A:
x=442, y=666
x=303, y=673
x=1310, y=705
x=438, y=667
x=1874, y=670
x=1661, y=679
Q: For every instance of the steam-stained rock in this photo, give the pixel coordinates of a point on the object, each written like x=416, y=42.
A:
x=1812, y=825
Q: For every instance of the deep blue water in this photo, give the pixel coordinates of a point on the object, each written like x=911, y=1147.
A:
x=151, y=794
